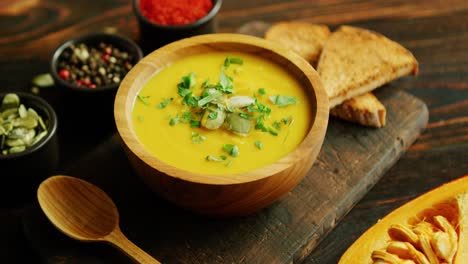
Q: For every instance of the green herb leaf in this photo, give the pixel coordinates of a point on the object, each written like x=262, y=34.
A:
x=186, y=116
x=195, y=123
x=276, y=125
x=197, y=138
x=174, y=121
x=227, y=62
x=288, y=120
x=205, y=83
x=238, y=61
x=223, y=157
x=190, y=100
x=209, y=98
x=213, y=158
x=164, y=103
x=283, y=100
x=183, y=91
x=258, y=144
x=228, y=163
x=261, y=91
x=189, y=80
x=213, y=114
x=260, y=126
x=143, y=99
x=273, y=132
x=226, y=83
x=231, y=149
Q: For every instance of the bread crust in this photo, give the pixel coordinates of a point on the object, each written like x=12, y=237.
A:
x=305, y=39
x=355, y=61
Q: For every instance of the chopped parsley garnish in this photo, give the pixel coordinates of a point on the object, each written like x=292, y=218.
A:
x=186, y=116
x=276, y=125
x=283, y=100
x=226, y=85
x=261, y=91
x=258, y=144
x=165, y=102
x=205, y=83
x=143, y=99
x=288, y=120
x=209, y=98
x=272, y=131
x=213, y=158
x=213, y=114
x=174, y=121
x=228, y=61
x=197, y=138
x=195, y=123
x=231, y=149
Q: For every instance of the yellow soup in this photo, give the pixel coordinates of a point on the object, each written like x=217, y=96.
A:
x=169, y=128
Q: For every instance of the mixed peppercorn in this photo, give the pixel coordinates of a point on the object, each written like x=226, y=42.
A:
x=94, y=66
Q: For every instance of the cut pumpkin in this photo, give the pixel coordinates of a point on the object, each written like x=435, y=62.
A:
x=430, y=229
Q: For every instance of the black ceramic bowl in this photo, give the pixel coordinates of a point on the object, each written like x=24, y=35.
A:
x=22, y=172
x=83, y=103
x=153, y=36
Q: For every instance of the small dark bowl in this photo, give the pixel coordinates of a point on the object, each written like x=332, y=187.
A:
x=23, y=172
x=83, y=103
x=154, y=36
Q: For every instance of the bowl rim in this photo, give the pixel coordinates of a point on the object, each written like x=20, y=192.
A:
x=205, y=19
x=124, y=125
x=108, y=37
x=53, y=123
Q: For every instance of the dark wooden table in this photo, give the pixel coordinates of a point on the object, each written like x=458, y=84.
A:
x=435, y=31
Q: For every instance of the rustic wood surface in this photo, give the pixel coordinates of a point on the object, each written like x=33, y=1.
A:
x=435, y=31
x=351, y=161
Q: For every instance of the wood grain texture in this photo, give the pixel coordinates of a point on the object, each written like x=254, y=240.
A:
x=351, y=161
x=435, y=31
x=84, y=212
x=223, y=195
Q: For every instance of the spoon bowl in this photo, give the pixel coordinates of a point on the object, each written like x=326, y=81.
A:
x=84, y=212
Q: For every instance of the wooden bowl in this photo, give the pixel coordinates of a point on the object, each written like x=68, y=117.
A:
x=219, y=195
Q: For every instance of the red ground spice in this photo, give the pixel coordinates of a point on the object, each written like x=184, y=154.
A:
x=175, y=12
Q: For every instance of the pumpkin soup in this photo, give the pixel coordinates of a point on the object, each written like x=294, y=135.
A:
x=219, y=113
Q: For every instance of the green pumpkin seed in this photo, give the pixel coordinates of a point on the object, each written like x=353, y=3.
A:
x=43, y=80
x=33, y=113
x=18, y=133
x=17, y=149
x=22, y=111
x=19, y=127
x=215, y=123
x=38, y=138
x=14, y=142
x=10, y=113
x=27, y=122
x=238, y=124
x=10, y=100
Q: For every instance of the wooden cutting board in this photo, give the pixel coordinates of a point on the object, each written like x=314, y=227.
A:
x=352, y=160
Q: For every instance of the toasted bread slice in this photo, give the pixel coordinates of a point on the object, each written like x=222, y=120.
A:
x=363, y=109
x=355, y=61
x=305, y=39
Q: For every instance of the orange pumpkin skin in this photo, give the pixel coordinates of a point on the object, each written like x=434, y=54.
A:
x=449, y=200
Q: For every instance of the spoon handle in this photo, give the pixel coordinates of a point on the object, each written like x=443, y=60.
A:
x=118, y=239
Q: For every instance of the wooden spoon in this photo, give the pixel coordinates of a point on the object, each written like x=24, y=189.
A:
x=85, y=212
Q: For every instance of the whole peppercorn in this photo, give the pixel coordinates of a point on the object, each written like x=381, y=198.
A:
x=93, y=66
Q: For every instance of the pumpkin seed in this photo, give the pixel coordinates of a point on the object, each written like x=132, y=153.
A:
x=17, y=149
x=10, y=100
x=22, y=111
x=213, y=123
x=38, y=138
x=27, y=122
x=43, y=80
x=14, y=142
x=10, y=113
x=240, y=101
x=238, y=124
x=20, y=127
